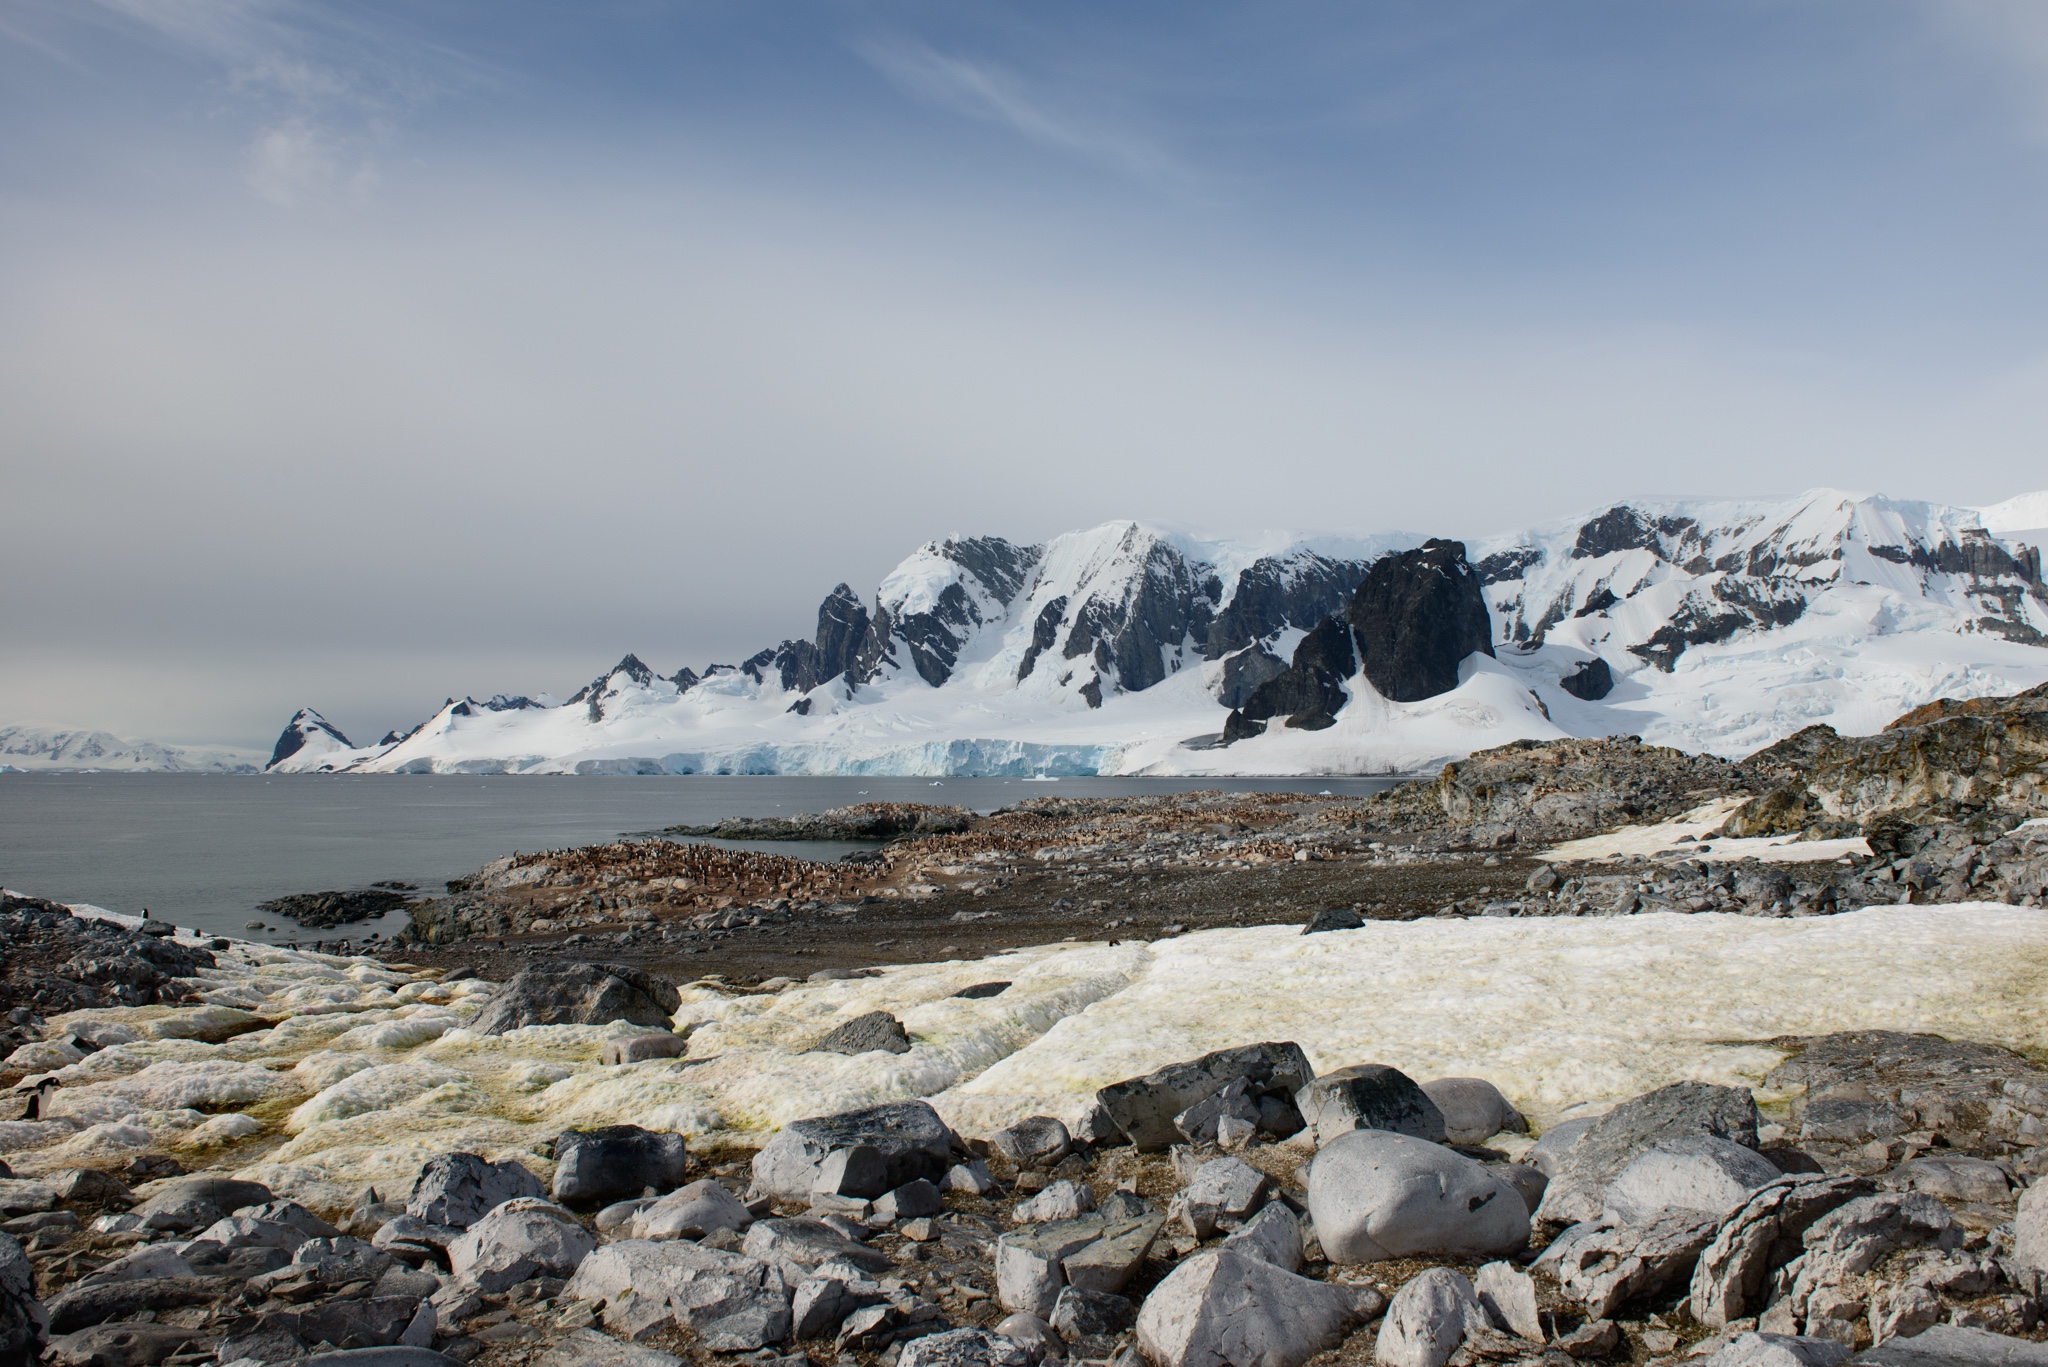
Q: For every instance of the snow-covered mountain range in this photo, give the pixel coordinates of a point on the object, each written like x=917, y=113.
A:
x=1125, y=649
x=55, y=749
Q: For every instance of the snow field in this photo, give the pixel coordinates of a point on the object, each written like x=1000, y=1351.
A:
x=1559, y=1012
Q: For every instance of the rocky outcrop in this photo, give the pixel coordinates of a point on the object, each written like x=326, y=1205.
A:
x=1310, y=692
x=57, y=962
x=862, y=821
x=1277, y=592
x=1590, y=682
x=306, y=726
x=578, y=994
x=1416, y=617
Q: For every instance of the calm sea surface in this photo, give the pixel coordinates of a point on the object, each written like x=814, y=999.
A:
x=203, y=850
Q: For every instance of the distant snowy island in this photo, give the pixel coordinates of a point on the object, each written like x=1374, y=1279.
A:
x=1127, y=649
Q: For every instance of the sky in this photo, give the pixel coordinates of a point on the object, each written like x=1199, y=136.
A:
x=359, y=355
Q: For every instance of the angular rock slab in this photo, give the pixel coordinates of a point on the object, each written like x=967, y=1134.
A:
x=1766, y=1233
x=589, y=1348
x=1376, y=1195
x=1705, y=1174
x=1428, y=1319
x=617, y=1162
x=911, y=1139
x=456, y=1189
x=965, y=1348
x=877, y=1030
x=1368, y=1096
x=1607, y=1268
x=1947, y=1346
x=1578, y=1189
x=1508, y=1295
x=1779, y=1350
x=520, y=1240
x=733, y=1302
x=1143, y=1108
x=1222, y=1307
x=1222, y=1194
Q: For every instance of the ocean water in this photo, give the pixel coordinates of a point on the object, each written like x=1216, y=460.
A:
x=203, y=850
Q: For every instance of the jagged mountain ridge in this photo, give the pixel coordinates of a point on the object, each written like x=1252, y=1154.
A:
x=1104, y=650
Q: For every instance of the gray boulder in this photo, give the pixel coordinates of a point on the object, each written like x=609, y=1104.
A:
x=1734, y=1270
x=1683, y=1110
x=1368, y=1096
x=691, y=1212
x=455, y=1189
x=797, y=1246
x=1508, y=1295
x=2030, y=1229
x=1223, y=1307
x=1376, y=1195
x=877, y=1030
x=964, y=1348
x=1946, y=1345
x=578, y=994
x=640, y=1048
x=823, y=1301
x=1079, y=1314
x=1273, y=1235
x=1034, y=1143
x=1333, y=918
x=1779, y=1350
x=908, y=1135
x=79, y=1307
x=1474, y=1110
x=1143, y=1109
x=1957, y=1177
x=1703, y=1174
x=23, y=1322
x=1554, y=1143
x=192, y=1203
x=734, y=1303
x=1034, y=1333
x=589, y=1348
x=617, y=1162
x=1221, y=1195
x=520, y=1240
x=116, y=1345
x=1029, y=1262
x=1062, y=1200
x=1428, y=1319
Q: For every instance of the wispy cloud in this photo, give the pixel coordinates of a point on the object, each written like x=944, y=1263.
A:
x=323, y=90
x=983, y=91
x=2011, y=38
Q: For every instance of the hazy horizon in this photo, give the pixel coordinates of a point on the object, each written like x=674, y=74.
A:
x=356, y=356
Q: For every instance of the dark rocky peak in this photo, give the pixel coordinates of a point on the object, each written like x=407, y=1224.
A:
x=1281, y=591
x=1138, y=609
x=593, y=692
x=928, y=609
x=843, y=630
x=1416, y=617
x=498, y=702
x=1622, y=528
x=1513, y=563
x=304, y=726
x=1003, y=567
x=1045, y=633
x=1309, y=692
x=686, y=679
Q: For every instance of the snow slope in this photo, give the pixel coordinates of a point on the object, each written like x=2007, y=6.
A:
x=56, y=749
x=1725, y=625
x=2021, y=518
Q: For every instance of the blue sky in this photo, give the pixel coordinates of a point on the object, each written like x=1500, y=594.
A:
x=354, y=355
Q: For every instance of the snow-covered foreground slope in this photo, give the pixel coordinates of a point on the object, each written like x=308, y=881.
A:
x=370, y=1070
x=1119, y=650
x=54, y=749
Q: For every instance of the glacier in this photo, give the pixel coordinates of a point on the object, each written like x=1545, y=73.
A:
x=1723, y=625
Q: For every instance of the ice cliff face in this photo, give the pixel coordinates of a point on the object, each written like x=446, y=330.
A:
x=1123, y=648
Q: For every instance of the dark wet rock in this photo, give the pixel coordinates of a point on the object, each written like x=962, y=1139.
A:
x=1578, y=1189
x=877, y=1030
x=23, y=1321
x=321, y=910
x=978, y=991
x=1237, y=727
x=455, y=1189
x=1310, y=692
x=58, y=962
x=578, y=994
x=1416, y=618
x=1143, y=1109
x=911, y=1139
x=1590, y=682
x=1333, y=918
x=862, y=821
x=617, y=1162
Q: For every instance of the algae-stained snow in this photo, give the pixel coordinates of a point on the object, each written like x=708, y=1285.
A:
x=353, y=1073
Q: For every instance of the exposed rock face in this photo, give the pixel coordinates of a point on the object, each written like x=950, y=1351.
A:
x=1244, y=672
x=306, y=725
x=1983, y=755
x=23, y=1322
x=1311, y=691
x=1145, y=1108
x=1578, y=1190
x=1590, y=682
x=1416, y=617
x=1276, y=592
x=926, y=634
x=843, y=628
x=59, y=962
x=578, y=994
x=456, y=1189
x=1873, y=1084
x=594, y=694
